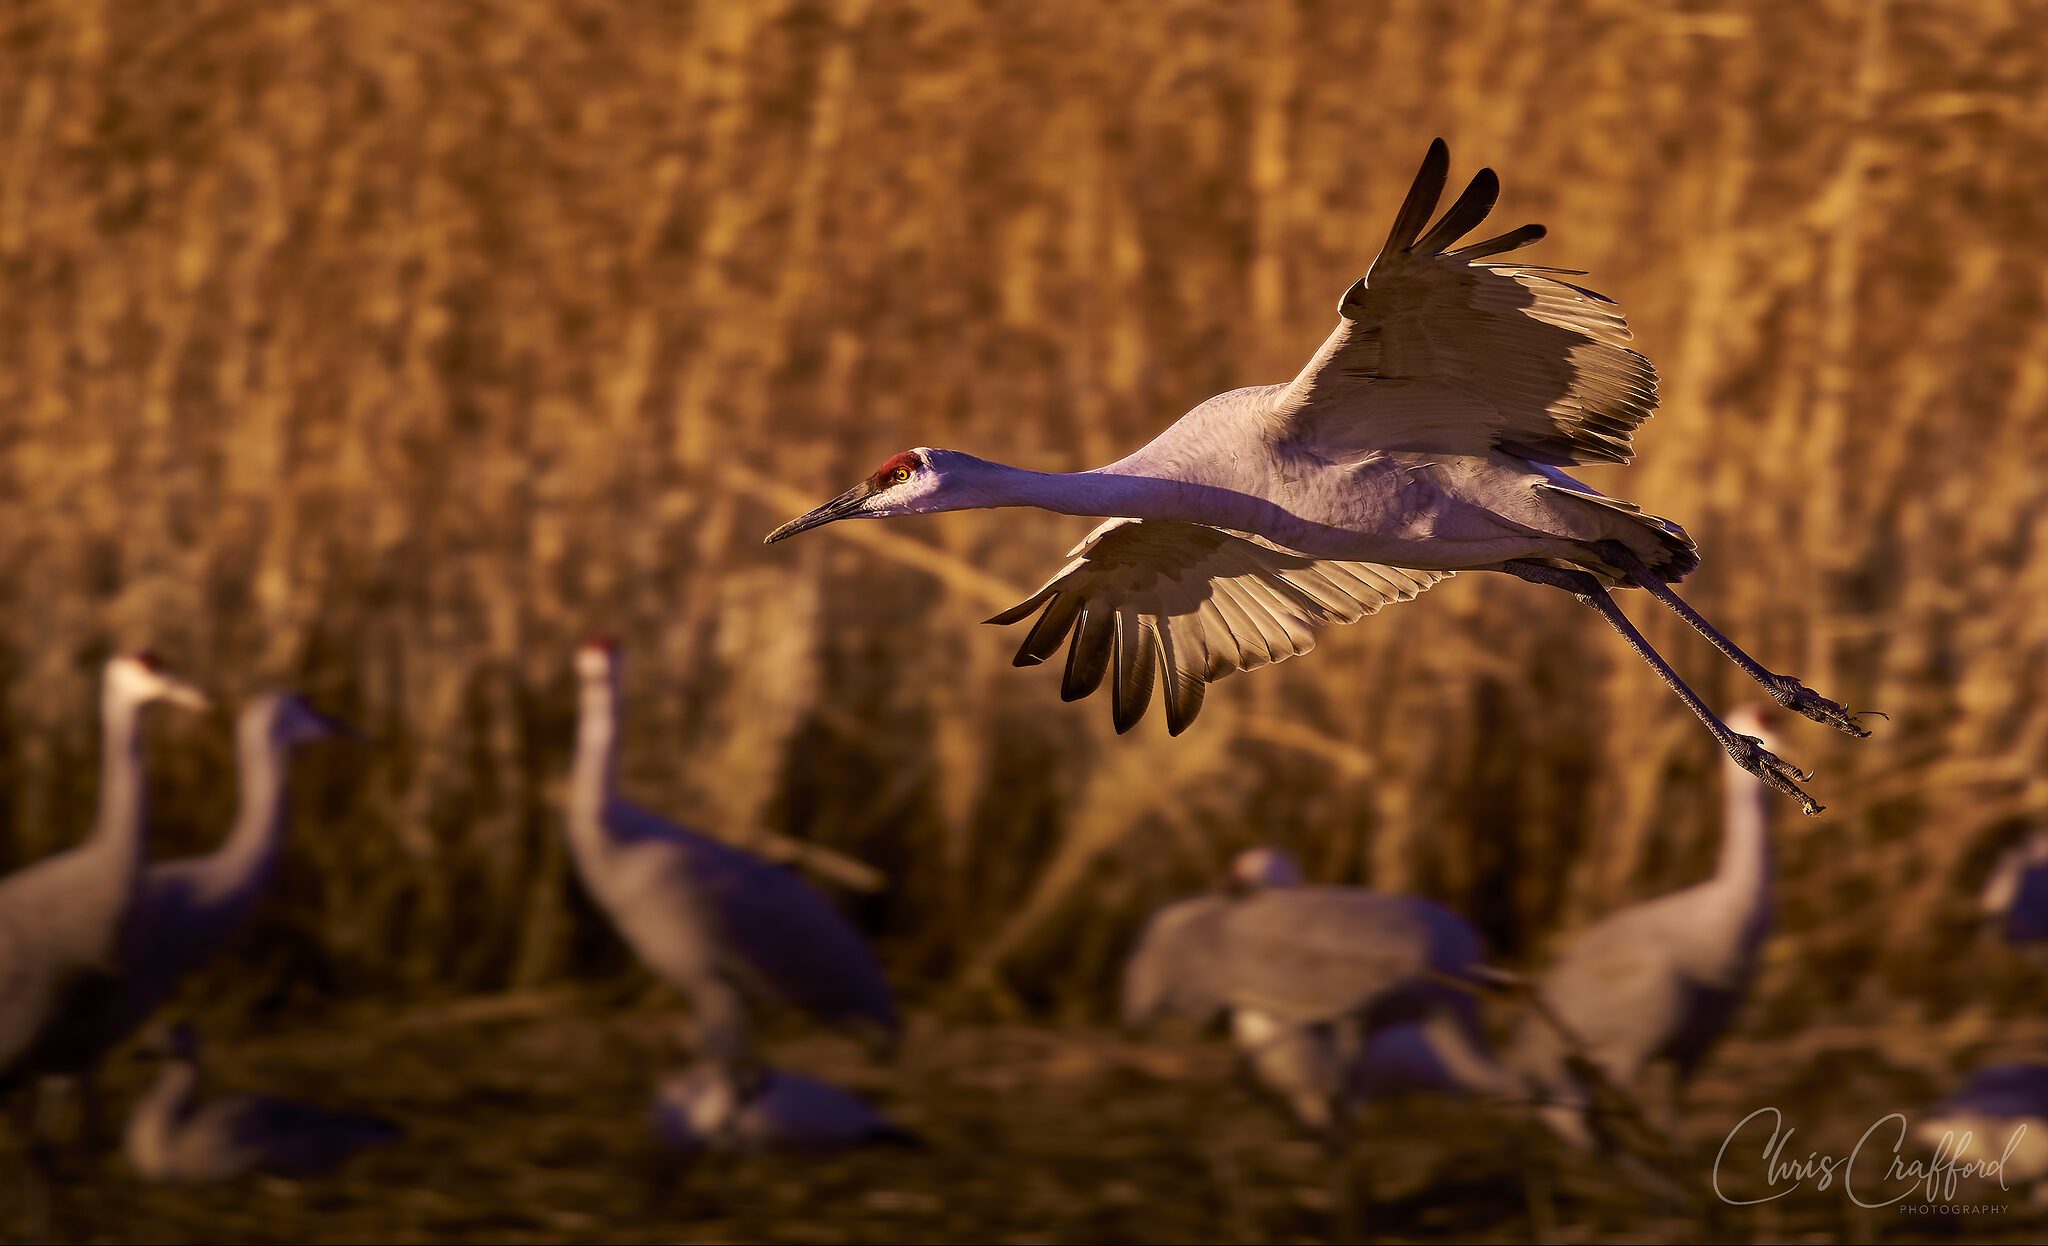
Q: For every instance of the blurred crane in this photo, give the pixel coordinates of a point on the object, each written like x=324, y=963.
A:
x=705, y=1108
x=2001, y=1113
x=1426, y=436
x=1308, y=975
x=1657, y=982
x=718, y=923
x=1334, y=1067
x=187, y=911
x=174, y=1135
x=62, y=919
x=2015, y=897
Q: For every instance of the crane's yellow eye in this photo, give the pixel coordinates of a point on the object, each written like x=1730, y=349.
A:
x=902, y=474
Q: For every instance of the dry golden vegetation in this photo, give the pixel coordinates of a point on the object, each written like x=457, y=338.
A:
x=385, y=349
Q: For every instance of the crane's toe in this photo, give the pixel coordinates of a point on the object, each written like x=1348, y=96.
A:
x=1800, y=699
x=1775, y=772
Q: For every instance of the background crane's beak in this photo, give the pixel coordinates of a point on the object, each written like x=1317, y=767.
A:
x=178, y=692
x=846, y=504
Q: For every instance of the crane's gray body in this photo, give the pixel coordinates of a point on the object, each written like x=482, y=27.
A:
x=175, y=1135
x=1310, y=975
x=718, y=923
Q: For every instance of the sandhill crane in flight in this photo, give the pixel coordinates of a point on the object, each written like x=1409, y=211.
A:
x=174, y=1135
x=1308, y=974
x=1427, y=435
x=705, y=1108
x=718, y=923
x=188, y=910
x=61, y=919
x=1657, y=982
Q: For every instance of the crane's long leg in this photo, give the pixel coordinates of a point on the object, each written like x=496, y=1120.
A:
x=1748, y=751
x=1784, y=689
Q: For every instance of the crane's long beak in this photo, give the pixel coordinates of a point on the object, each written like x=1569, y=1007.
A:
x=844, y=506
x=178, y=692
x=338, y=729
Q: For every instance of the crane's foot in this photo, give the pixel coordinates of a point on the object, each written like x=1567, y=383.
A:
x=1800, y=699
x=1775, y=772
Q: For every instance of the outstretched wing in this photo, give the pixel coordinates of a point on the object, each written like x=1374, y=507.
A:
x=1438, y=351
x=1199, y=602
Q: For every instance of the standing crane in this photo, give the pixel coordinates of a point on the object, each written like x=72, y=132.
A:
x=175, y=1135
x=62, y=919
x=1308, y=975
x=705, y=1108
x=186, y=911
x=718, y=923
x=1657, y=982
x=1427, y=435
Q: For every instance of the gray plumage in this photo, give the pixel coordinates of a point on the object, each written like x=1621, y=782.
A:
x=1657, y=982
x=705, y=1108
x=719, y=923
x=186, y=911
x=1308, y=975
x=61, y=919
x=175, y=1135
x=1427, y=435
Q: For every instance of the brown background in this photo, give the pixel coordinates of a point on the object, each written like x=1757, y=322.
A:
x=386, y=349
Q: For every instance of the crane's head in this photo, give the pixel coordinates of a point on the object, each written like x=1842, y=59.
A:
x=288, y=719
x=911, y=483
x=1757, y=720
x=1265, y=868
x=598, y=658
x=139, y=678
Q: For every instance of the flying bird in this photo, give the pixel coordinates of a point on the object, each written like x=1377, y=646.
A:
x=62, y=919
x=175, y=1135
x=1428, y=435
x=717, y=922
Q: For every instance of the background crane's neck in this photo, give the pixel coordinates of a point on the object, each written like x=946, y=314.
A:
x=245, y=863
x=593, y=778
x=118, y=829
x=1744, y=872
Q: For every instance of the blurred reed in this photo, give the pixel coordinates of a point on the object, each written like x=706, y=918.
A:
x=385, y=349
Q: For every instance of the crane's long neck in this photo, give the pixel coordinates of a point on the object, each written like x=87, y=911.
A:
x=593, y=776
x=1136, y=487
x=118, y=829
x=158, y=1112
x=241, y=870
x=1744, y=871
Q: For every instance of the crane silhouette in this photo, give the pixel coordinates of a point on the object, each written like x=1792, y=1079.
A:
x=62, y=919
x=186, y=911
x=1657, y=982
x=718, y=923
x=1427, y=435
